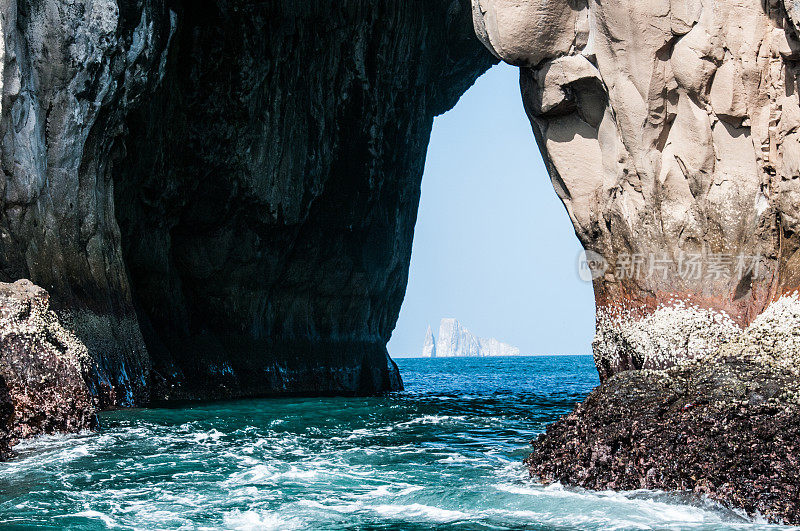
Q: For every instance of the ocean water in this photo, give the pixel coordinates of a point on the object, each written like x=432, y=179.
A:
x=444, y=454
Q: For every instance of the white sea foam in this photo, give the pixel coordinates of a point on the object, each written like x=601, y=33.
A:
x=96, y=515
x=263, y=474
x=259, y=521
x=207, y=437
x=390, y=490
x=423, y=460
x=433, y=419
x=418, y=511
x=457, y=458
x=630, y=510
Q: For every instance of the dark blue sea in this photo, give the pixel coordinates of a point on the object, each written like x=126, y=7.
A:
x=444, y=454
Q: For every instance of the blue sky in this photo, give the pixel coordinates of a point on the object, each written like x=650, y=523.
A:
x=494, y=247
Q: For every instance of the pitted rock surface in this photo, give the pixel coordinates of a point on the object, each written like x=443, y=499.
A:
x=728, y=430
x=726, y=425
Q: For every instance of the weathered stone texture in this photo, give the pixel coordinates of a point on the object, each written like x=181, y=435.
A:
x=727, y=426
x=670, y=133
x=269, y=196
x=726, y=431
x=70, y=73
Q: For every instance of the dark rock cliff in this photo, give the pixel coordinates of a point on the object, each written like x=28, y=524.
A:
x=224, y=192
x=70, y=73
x=271, y=187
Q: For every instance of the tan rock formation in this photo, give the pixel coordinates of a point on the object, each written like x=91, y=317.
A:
x=671, y=131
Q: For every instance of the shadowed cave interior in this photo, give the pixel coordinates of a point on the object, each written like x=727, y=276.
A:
x=267, y=217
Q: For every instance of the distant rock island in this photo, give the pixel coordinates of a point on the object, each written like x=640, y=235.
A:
x=456, y=341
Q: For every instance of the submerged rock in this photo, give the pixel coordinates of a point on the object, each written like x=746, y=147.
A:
x=43, y=369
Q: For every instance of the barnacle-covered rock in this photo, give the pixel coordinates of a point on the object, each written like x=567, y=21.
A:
x=726, y=425
x=43, y=369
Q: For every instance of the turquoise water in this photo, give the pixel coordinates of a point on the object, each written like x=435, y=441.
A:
x=445, y=454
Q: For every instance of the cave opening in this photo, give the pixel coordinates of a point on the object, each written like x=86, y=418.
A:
x=493, y=246
x=266, y=220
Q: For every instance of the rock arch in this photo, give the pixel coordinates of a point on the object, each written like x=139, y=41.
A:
x=220, y=196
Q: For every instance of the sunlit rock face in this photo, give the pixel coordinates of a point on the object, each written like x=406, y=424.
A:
x=429, y=345
x=670, y=131
x=220, y=197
